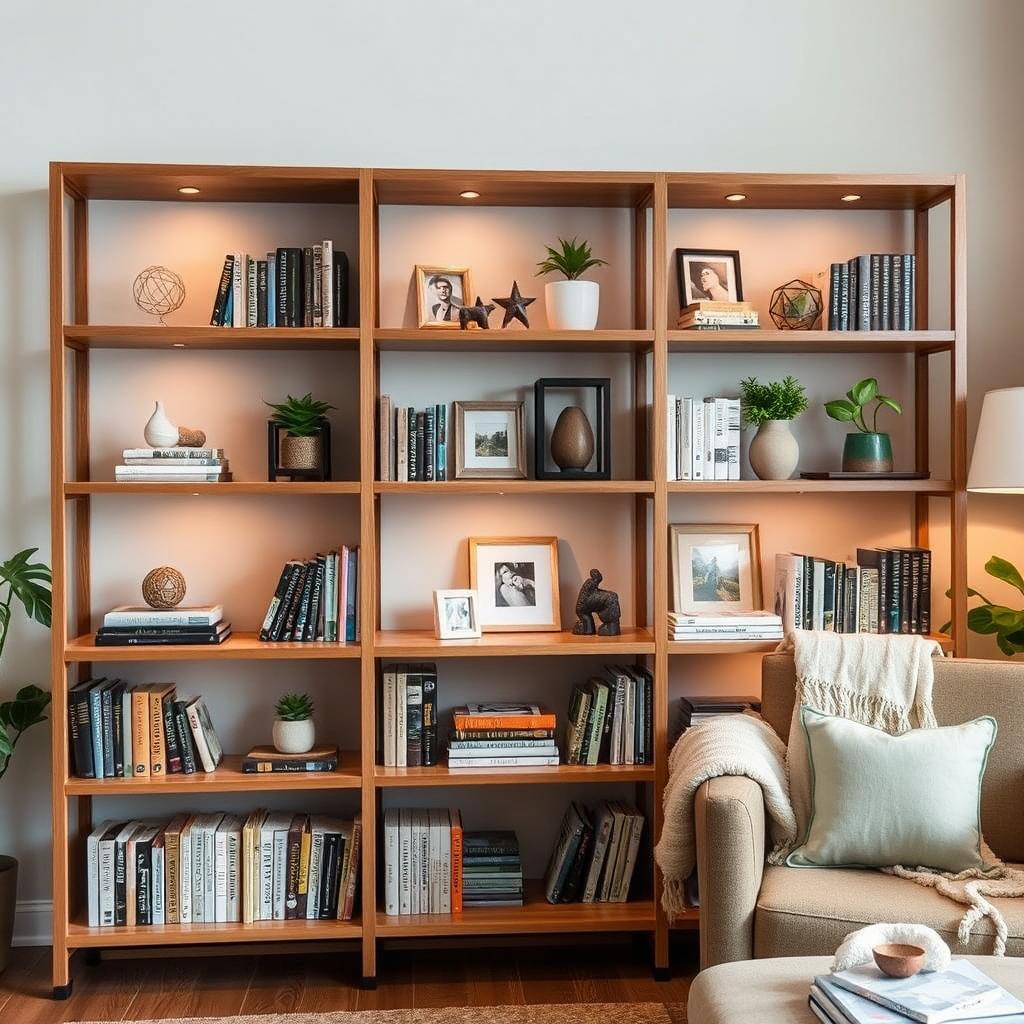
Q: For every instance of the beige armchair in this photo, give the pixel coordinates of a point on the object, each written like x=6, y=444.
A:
x=753, y=911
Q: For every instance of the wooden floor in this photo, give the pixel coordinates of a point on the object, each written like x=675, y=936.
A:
x=205, y=986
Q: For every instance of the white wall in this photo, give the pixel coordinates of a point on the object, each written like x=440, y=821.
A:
x=920, y=85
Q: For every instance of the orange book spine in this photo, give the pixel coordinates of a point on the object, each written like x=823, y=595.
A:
x=140, y=732
x=456, y=820
x=469, y=722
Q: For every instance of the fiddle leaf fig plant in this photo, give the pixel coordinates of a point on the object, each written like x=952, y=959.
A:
x=988, y=619
x=853, y=408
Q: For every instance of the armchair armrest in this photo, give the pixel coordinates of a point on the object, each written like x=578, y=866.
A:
x=730, y=822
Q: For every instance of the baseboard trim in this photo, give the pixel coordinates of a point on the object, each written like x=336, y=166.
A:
x=33, y=923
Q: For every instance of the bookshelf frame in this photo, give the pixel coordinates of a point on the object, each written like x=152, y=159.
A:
x=649, y=343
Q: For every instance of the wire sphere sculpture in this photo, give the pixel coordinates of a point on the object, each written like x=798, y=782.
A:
x=796, y=306
x=163, y=587
x=158, y=291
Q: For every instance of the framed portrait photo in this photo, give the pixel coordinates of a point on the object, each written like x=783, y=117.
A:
x=709, y=275
x=516, y=580
x=440, y=293
x=490, y=440
x=716, y=568
x=455, y=615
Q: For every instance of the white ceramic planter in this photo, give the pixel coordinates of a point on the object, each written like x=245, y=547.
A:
x=572, y=305
x=160, y=432
x=774, y=451
x=294, y=737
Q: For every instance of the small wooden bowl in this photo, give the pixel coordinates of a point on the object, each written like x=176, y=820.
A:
x=898, y=960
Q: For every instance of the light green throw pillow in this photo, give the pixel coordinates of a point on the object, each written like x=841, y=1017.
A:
x=879, y=800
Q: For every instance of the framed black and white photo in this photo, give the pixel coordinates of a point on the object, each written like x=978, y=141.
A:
x=716, y=568
x=440, y=293
x=516, y=580
x=709, y=275
x=489, y=440
x=455, y=615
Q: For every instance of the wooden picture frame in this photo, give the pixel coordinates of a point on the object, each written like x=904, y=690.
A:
x=716, y=540
x=469, y=467
x=445, y=628
x=427, y=280
x=531, y=580
x=688, y=289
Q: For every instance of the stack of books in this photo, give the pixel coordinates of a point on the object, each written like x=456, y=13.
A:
x=708, y=315
x=290, y=287
x=119, y=731
x=409, y=716
x=264, y=759
x=888, y=590
x=502, y=735
x=412, y=445
x=177, y=465
x=316, y=600
x=873, y=293
x=213, y=868
x=142, y=626
x=610, y=718
x=696, y=709
x=703, y=438
x=753, y=626
x=596, y=853
x=422, y=861
x=492, y=870
x=864, y=995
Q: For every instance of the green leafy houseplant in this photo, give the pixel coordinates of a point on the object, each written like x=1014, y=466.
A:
x=988, y=619
x=573, y=260
x=294, y=707
x=777, y=400
x=853, y=408
x=300, y=417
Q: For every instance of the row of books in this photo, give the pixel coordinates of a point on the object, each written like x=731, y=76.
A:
x=119, y=731
x=492, y=870
x=423, y=860
x=176, y=465
x=888, y=590
x=611, y=718
x=413, y=445
x=873, y=293
x=316, y=599
x=501, y=734
x=596, y=854
x=142, y=626
x=409, y=716
x=292, y=286
x=712, y=315
x=703, y=438
x=214, y=868
x=756, y=625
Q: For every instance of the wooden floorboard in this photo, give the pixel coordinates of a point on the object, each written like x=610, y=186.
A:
x=171, y=987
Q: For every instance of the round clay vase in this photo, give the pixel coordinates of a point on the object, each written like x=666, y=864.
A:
x=294, y=737
x=300, y=452
x=774, y=451
x=8, y=902
x=867, y=453
x=160, y=432
x=572, y=305
x=572, y=440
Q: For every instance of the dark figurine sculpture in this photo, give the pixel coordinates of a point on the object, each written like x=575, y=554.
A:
x=593, y=600
x=477, y=314
x=515, y=307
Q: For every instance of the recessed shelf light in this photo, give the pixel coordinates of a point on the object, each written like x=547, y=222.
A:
x=178, y=344
x=188, y=190
x=736, y=197
x=851, y=198
x=469, y=194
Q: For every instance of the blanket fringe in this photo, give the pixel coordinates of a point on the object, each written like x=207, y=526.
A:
x=833, y=699
x=673, y=897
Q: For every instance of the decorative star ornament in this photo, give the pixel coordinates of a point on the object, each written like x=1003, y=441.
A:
x=515, y=307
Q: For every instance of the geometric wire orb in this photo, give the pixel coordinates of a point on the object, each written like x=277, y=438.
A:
x=158, y=291
x=796, y=306
x=163, y=587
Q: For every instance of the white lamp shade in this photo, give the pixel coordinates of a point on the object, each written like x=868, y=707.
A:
x=998, y=462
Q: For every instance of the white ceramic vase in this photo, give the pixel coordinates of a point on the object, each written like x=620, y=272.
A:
x=572, y=305
x=160, y=432
x=774, y=452
x=294, y=737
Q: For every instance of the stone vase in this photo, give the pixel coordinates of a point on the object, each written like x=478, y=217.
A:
x=294, y=737
x=8, y=902
x=572, y=440
x=301, y=452
x=160, y=432
x=774, y=452
x=867, y=453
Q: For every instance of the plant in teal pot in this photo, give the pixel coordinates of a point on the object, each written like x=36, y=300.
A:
x=866, y=449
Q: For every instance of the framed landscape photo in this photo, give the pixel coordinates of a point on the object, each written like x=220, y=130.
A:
x=440, y=293
x=709, y=275
x=516, y=580
x=716, y=568
x=455, y=615
x=490, y=441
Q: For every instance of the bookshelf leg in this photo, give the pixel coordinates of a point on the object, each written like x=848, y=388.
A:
x=61, y=992
x=61, y=970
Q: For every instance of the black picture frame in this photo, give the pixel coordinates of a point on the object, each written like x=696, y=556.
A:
x=602, y=386
x=721, y=254
x=276, y=471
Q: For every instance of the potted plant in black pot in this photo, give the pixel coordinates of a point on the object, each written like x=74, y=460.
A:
x=27, y=583
x=300, y=437
x=866, y=450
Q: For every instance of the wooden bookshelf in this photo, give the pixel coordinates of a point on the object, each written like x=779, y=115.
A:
x=647, y=339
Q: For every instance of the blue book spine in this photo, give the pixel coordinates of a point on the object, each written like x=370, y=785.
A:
x=271, y=289
x=441, y=442
x=350, y=597
x=96, y=727
x=229, y=310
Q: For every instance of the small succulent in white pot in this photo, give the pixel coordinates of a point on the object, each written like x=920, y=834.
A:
x=572, y=304
x=294, y=732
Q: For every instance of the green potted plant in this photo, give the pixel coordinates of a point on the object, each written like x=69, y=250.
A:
x=572, y=304
x=302, y=422
x=771, y=407
x=866, y=450
x=988, y=619
x=294, y=732
x=28, y=583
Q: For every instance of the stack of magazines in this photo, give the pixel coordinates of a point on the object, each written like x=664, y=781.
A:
x=141, y=626
x=177, y=465
x=759, y=626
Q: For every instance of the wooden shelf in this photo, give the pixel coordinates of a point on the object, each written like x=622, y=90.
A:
x=157, y=336
x=796, y=342
x=442, y=775
x=421, y=643
x=938, y=487
x=536, y=915
x=238, y=647
x=534, y=339
x=688, y=920
x=228, y=778
x=750, y=646
x=295, y=489
x=515, y=487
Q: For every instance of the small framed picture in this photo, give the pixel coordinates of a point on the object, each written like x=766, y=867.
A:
x=440, y=293
x=715, y=568
x=516, y=579
x=709, y=275
x=489, y=440
x=455, y=615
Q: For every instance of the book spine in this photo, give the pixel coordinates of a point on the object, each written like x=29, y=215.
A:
x=318, y=286
x=863, y=293
x=185, y=875
x=341, y=290
x=732, y=425
x=310, y=630
x=697, y=433
x=421, y=446
x=81, y=740
x=429, y=440
x=721, y=439
x=414, y=721
x=833, y=296
x=293, y=857
x=293, y=288
x=327, y=283
x=261, y=293
x=441, y=442
x=223, y=289
x=886, y=319
x=140, y=733
x=519, y=761
x=412, y=454
x=302, y=606
x=174, y=759
x=896, y=284
x=909, y=287
x=281, y=261
x=238, y=290
x=271, y=289
x=429, y=728
x=844, y=296
x=251, y=293
x=876, y=292
x=906, y=587
x=306, y=295
x=157, y=749
x=457, y=852
x=275, y=603
x=475, y=723
x=671, y=454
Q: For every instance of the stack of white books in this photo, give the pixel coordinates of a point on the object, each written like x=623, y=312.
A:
x=173, y=465
x=754, y=626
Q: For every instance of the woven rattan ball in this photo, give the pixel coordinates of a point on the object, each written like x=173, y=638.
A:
x=158, y=291
x=163, y=587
